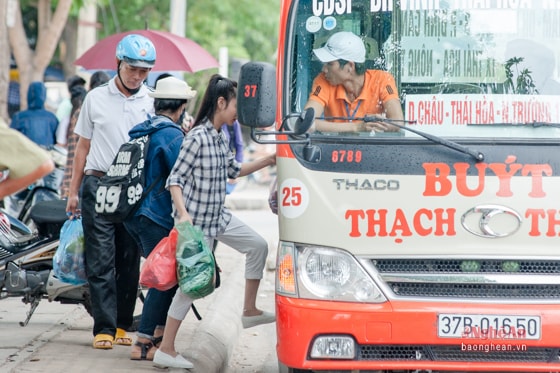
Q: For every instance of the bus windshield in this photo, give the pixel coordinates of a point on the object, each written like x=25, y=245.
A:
x=463, y=69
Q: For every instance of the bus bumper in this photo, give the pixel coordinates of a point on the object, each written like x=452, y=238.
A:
x=404, y=335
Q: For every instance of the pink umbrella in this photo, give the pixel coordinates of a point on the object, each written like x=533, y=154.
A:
x=174, y=53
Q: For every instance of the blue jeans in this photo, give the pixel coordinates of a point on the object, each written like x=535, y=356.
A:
x=154, y=313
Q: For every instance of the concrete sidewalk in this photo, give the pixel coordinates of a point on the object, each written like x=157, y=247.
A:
x=58, y=337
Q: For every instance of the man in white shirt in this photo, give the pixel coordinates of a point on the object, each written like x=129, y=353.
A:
x=112, y=256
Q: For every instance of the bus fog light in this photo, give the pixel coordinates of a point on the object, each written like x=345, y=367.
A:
x=333, y=347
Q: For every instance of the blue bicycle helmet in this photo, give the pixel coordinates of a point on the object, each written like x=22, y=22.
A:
x=136, y=50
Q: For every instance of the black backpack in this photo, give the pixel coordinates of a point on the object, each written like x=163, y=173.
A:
x=121, y=189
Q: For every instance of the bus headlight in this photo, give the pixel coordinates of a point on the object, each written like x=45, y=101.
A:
x=328, y=273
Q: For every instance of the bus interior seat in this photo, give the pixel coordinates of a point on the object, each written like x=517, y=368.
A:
x=374, y=61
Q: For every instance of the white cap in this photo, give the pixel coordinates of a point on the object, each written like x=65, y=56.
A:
x=173, y=88
x=343, y=45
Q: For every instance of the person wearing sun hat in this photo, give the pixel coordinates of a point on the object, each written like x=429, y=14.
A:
x=345, y=92
x=153, y=221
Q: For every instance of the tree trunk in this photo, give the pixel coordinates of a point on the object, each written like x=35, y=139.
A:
x=32, y=64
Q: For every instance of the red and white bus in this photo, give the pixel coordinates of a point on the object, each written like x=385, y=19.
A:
x=435, y=247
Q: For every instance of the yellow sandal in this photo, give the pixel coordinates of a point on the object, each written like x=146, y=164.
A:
x=122, y=338
x=103, y=341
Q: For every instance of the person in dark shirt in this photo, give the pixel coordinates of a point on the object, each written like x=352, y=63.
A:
x=40, y=125
x=37, y=123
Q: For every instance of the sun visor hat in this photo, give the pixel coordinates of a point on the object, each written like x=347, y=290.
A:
x=343, y=45
x=172, y=88
x=137, y=50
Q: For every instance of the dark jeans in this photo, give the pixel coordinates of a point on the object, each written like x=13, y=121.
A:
x=148, y=234
x=112, y=265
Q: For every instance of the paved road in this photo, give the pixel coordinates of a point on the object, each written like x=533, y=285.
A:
x=58, y=337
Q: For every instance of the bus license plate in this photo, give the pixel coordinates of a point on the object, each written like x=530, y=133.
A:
x=489, y=326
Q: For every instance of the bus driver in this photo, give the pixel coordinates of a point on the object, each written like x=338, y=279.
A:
x=345, y=89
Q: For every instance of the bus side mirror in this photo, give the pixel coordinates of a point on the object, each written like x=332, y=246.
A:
x=304, y=121
x=256, y=98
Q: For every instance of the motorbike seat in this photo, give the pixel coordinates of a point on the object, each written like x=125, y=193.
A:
x=49, y=216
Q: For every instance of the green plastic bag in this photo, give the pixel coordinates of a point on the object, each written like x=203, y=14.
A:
x=196, y=268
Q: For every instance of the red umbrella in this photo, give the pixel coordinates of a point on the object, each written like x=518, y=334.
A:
x=174, y=53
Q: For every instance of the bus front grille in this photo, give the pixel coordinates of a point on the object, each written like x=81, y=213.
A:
x=482, y=279
x=487, y=352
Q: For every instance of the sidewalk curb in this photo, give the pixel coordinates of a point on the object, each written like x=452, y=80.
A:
x=251, y=198
x=212, y=342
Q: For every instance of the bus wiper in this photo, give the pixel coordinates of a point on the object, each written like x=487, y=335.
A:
x=478, y=156
x=507, y=124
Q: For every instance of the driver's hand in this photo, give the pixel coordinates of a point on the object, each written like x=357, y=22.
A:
x=376, y=123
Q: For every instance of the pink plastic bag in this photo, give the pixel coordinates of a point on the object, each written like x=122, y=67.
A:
x=159, y=270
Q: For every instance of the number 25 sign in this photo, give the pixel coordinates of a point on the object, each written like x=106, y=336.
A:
x=293, y=198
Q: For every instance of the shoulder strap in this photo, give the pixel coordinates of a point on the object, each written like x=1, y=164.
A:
x=151, y=187
x=146, y=147
x=145, y=154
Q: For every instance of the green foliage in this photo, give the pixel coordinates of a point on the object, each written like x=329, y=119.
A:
x=119, y=16
x=248, y=28
x=523, y=83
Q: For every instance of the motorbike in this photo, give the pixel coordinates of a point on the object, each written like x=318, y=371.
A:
x=19, y=205
x=29, y=236
x=26, y=258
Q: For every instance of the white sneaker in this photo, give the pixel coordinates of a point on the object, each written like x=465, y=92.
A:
x=264, y=318
x=163, y=360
